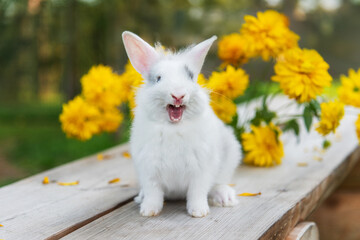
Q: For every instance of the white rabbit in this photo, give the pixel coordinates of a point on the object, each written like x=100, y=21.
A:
x=179, y=146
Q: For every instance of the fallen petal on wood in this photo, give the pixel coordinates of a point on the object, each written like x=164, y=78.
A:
x=101, y=156
x=115, y=180
x=68, y=183
x=126, y=154
x=302, y=164
x=249, y=194
x=46, y=180
x=317, y=158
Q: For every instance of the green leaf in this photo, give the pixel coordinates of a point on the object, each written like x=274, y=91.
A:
x=256, y=121
x=316, y=104
x=234, y=121
x=292, y=125
x=269, y=116
x=264, y=102
x=277, y=133
x=263, y=115
x=315, y=107
x=307, y=116
x=326, y=144
x=238, y=132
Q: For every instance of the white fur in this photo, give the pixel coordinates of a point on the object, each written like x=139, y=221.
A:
x=193, y=158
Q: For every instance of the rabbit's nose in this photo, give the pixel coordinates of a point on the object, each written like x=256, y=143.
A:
x=178, y=99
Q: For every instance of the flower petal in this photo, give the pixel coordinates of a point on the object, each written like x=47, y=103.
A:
x=115, y=180
x=68, y=183
x=246, y=194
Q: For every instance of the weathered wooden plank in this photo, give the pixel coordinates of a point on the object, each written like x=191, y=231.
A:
x=289, y=194
x=31, y=210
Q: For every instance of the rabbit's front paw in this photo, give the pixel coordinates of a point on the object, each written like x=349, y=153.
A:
x=150, y=209
x=222, y=196
x=198, y=210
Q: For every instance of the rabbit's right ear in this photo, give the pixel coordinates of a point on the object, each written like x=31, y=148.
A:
x=140, y=53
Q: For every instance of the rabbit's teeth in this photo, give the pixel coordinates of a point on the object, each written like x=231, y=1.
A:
x=175, y=112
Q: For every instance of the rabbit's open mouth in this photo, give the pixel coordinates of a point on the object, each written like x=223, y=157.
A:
x=175, y=112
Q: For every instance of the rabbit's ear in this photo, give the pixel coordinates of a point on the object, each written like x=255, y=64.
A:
x=140, y=53
x=196, y=55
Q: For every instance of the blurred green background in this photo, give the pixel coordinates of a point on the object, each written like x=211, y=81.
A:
x=47, y=45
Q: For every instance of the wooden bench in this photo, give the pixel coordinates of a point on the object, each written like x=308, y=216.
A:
x=95, y=209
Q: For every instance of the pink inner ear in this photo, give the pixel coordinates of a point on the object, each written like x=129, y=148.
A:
x=198, y=56
x=141, y=56
x=199, y=52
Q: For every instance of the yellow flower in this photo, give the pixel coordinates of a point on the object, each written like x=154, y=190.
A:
x=349, y=92
x=202, y=81
x=331, y=114
x=132, y=102
x=268, y=34
x=357, y=124
x=262, y=146
x=230, y=83
x=302, y=74
x=223, y=107
x=110, y=120
x=233, y=49
x=79, y=119
x=131, y=80
x=102, y=88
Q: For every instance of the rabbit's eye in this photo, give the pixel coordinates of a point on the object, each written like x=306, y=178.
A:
x=158, y=78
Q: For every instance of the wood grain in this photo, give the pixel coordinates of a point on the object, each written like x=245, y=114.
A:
x=289, y=194
x=31, y=210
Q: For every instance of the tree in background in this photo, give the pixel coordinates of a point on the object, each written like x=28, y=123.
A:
x=46, y=46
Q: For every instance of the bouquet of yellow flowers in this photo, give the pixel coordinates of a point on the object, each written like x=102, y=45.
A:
x=302, y=75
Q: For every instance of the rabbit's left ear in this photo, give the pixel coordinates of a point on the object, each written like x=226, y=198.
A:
x=140, y=53
x=196, y=55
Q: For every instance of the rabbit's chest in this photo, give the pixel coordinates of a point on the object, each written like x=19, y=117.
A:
x=184, y=148
x=179, y=152
x=181, y=158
